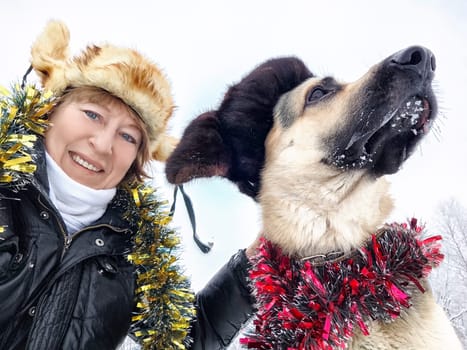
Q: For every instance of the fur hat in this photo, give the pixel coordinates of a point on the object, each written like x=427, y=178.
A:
x=123, y=72
x=229, y=141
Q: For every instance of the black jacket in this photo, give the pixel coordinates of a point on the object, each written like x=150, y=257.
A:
x=82, y=289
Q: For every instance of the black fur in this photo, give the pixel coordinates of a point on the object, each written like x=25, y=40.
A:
x=229, y=141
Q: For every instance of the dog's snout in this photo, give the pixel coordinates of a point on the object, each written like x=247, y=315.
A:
x=416, y=58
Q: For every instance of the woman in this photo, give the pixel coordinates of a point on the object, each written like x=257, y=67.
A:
x=86, y=254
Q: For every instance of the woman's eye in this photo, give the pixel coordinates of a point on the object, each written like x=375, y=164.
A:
x=92, y=115
x=129, y=138
x=316, y=94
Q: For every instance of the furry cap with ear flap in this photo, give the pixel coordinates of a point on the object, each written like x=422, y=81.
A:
x=123, y=72
x=229, y=141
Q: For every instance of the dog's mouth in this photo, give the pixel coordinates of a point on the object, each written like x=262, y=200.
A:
x=385, y=146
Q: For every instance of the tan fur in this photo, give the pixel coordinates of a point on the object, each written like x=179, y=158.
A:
x=311, y=208
x=123, y=72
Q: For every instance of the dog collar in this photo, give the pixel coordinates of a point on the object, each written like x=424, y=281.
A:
x=317, y=259
x=304, y=304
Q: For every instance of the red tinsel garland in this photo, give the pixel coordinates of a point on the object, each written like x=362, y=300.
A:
x=302, y=305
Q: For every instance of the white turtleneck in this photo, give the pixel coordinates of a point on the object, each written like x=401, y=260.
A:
x=79, y=205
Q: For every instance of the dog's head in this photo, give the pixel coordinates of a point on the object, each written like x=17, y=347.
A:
x=372, y=124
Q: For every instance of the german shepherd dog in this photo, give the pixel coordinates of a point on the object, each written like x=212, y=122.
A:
x=313, y=153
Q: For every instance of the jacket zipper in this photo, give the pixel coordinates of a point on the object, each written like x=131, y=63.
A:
x=67, y=238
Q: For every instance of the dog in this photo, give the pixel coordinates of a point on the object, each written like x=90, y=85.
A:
x=314, y=152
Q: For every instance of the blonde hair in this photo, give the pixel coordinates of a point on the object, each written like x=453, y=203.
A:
x=102, y=97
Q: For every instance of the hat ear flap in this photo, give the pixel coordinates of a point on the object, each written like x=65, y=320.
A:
x=202, y=152
x=49, y=53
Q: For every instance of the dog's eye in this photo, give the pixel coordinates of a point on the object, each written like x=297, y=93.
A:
x=316, y=94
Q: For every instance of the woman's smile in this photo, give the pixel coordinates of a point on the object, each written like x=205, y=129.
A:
x=84, y=163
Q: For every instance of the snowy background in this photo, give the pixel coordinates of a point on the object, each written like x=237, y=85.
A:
x=204, y=46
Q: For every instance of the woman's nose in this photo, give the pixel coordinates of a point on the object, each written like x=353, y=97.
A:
x=101, y=140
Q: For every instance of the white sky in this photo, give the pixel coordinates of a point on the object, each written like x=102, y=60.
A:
x=203, y=46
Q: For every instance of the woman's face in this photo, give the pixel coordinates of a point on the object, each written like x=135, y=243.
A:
x=93, y=144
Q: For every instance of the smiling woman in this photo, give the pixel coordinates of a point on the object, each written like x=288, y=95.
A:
x=87, y=254
x=96, y=138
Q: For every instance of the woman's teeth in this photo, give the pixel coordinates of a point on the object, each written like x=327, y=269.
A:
x=85, y=164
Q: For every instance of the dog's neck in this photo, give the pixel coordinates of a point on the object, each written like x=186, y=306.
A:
x=310, y=217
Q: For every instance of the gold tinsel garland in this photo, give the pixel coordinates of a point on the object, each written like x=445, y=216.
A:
x=22, y=111
x=163, y=295
x=164, y=298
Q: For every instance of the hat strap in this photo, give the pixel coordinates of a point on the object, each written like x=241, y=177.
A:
x=205, y=248
x=25, y=76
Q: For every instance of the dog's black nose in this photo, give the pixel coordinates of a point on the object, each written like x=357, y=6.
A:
x=416, y=58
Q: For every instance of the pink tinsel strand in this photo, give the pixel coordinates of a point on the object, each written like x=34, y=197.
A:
x=303, y=306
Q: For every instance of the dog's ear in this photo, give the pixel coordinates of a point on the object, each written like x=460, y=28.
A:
x=202, y=152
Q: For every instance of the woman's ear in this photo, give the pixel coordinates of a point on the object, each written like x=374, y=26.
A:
x=202, y=152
